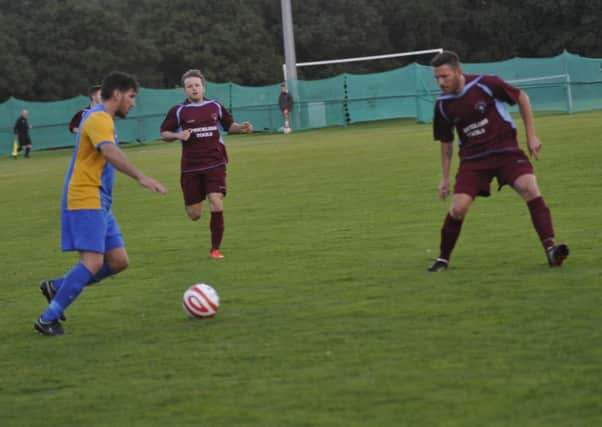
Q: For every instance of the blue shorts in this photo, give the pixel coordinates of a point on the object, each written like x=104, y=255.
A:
x=93, y=230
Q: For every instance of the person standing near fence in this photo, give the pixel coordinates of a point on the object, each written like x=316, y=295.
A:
x=197, y=123
x=285, y=102
x=22, y=138
x=95, y=99
x=474, y=106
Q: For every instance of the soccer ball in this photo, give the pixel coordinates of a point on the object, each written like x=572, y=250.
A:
x=200, y=301
x=287, y=130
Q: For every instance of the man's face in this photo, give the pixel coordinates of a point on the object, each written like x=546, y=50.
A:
x=126, y=101
x=96, y=98
x=283, y=89
x=194, y=89
x=448, y=78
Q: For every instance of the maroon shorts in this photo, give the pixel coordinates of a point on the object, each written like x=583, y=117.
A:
x=474, y=176
x=196, y=185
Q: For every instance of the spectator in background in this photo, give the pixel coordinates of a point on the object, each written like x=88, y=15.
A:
x=285, y=102
x=21, y=131
x=95, y=99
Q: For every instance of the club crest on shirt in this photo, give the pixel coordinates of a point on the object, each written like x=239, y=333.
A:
x=214, y=116
x=480, y=107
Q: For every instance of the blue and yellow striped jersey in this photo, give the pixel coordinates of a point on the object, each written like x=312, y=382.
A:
x=90, y=177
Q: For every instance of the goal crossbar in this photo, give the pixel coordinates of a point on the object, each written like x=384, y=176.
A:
x=360, y=58
x=369, y=58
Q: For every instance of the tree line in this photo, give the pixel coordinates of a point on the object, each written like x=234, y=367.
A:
x=54, y=49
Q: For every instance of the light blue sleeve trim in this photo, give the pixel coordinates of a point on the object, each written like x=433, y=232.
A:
x=103, y=143
x=503, y=111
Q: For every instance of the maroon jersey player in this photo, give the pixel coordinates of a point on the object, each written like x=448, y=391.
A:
x=475, y=107
x=95, y=99
x=198, y=123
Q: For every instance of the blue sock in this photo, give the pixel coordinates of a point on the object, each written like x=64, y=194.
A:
x=73, y=283
x=58, y=282
x=104, y=272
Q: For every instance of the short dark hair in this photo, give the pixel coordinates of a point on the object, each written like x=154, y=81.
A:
x=93, y=89
x=117, y=80
x=193, y=73
x=447, y=57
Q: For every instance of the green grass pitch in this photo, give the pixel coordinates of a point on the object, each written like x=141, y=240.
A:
x=327, y=315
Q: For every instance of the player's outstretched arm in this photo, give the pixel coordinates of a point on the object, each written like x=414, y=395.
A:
x=524, y=106
x=118, y=159
x=244, y=127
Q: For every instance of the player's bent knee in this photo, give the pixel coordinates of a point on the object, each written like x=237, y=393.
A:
x=194, y=213
x=458, y=212
x=119, y=265
x=526, y=186
x=93, y=265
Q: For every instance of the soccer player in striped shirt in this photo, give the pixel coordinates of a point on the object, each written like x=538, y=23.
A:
x=87, y=222
x=474, y=105
x=198, y=123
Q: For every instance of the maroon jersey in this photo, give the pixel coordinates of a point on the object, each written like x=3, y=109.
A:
x=77, y=118
x=205, y=148
x=480, y=117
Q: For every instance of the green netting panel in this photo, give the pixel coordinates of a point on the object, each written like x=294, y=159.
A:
x=49, y=121
x=145, y=119
x=427, y=92
x=380, y=96
x=586, y=82
x=6, y=126
x=586, y=96
x=318, y=103
x=565, y=82
x=258, y=105
x=221, y=92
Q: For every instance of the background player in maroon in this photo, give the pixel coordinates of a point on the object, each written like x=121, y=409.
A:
x=95, y=99
x=475, y=106
x=198, y=123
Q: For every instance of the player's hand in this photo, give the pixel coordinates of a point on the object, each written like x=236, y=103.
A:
x=152, y=184
x=534, y=146
x=246, y=127
x=185, y=134
x=443, y=188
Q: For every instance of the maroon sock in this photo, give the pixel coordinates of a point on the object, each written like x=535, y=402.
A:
x=449, y=235
x=217, y=229
x=542, y=221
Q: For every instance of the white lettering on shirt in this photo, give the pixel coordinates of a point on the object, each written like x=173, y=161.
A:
x=204, y=132
x=475, y=129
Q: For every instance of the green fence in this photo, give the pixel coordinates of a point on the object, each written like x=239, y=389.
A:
x=567, y=83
